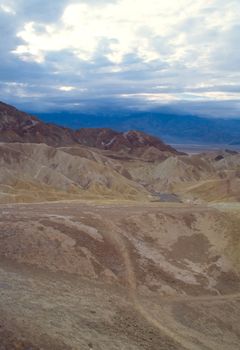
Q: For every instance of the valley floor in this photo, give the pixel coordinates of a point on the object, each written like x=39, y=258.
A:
x=127, y=276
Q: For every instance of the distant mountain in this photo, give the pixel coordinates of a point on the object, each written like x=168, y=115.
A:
x=108, y=139
x=17, y=126
x=235, y=142
x=170, y=126
x=42, y=162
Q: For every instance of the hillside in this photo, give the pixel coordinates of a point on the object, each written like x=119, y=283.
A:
x=114, y=240
x=47, y=162
x=37, y=172
x=170, y=125
x=119, y=276
x=17, y=126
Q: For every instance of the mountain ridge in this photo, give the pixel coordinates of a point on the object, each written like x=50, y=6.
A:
x=17, y=126
x=171, y=126
x=46, y=162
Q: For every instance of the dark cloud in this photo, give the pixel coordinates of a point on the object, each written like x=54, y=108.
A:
x=198, y=61
x=37, y=10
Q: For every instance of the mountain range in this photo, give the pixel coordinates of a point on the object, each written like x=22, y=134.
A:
x=171, y=126
x=17, y=126
x=115, y=240
x=42, y=161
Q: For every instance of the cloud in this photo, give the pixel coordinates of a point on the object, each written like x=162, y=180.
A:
x=66, y=88
x=140, y=52
x=7, y=9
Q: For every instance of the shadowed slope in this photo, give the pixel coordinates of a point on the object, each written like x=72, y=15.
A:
x=17, y=126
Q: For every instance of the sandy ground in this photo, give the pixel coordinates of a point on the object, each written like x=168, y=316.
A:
x=77, y=275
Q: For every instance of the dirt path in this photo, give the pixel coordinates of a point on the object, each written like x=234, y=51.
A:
x=118, y=240
x=210, y=298
x=113, y=234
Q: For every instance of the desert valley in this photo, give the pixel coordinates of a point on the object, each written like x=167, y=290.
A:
x=115, y=240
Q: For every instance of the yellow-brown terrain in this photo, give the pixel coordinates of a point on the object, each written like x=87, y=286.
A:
x=123, y=245
x=109, y=276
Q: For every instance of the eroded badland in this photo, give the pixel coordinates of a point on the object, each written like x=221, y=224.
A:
x=123, y=243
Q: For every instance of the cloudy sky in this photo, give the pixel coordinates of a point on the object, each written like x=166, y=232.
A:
x=75, y=54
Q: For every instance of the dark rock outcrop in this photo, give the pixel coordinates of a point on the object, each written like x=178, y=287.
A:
x=17, y=126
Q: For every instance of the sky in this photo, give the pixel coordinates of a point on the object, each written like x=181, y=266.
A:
x=135, y=54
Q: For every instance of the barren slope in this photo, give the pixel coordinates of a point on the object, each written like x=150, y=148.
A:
x=17, y=126
x=210, y=177
x=124, y=273
x=32, y=172
x=125, y=276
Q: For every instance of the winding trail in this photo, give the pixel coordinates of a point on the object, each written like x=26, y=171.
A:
x=114, y=235
x=185, y=341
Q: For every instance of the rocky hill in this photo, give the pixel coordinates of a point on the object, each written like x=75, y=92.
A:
x=172, y=125
x=37, y=172
x=47, y=162
x=17, y=126
x=89, y=258
x=109, y=139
